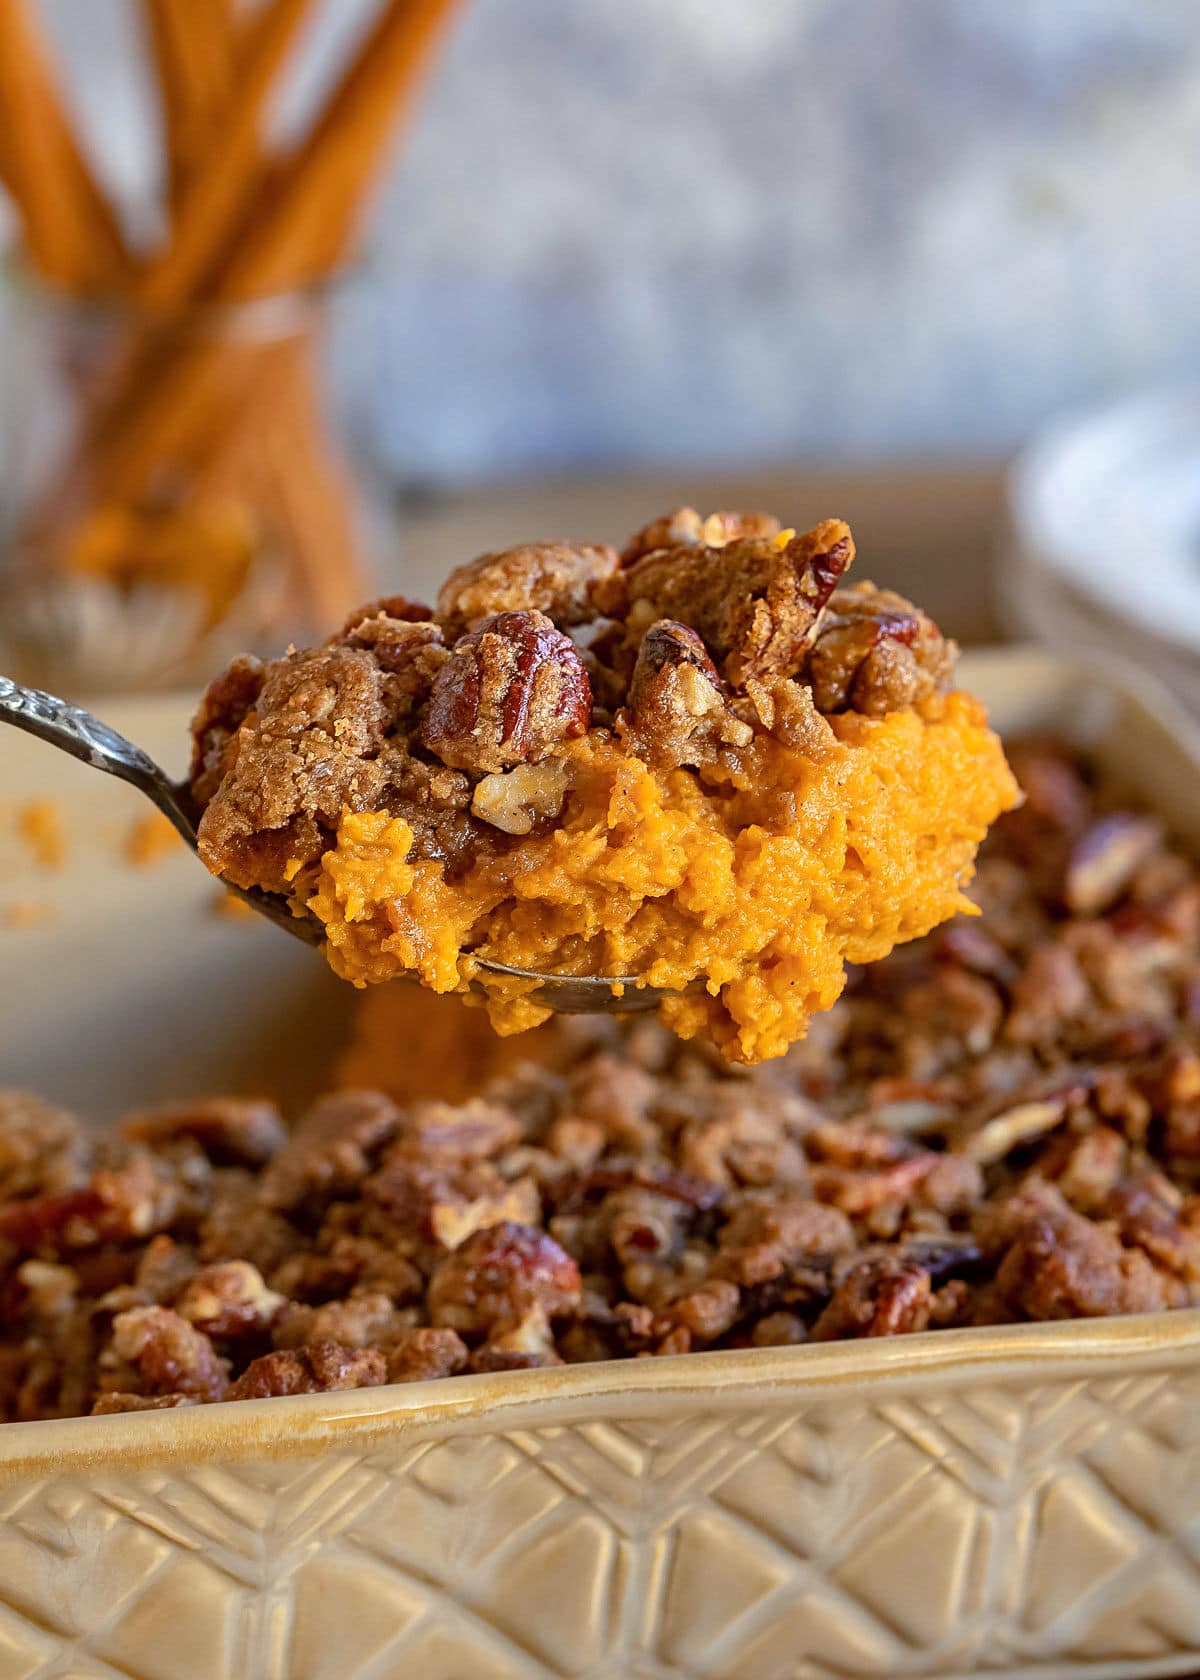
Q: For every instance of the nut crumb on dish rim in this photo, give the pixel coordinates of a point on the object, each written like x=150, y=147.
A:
x=1000, y=1124
x=707, y=759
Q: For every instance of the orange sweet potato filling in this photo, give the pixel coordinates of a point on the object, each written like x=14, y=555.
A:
x=761, y=880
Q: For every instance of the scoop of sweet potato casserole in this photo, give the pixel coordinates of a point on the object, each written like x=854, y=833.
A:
x=706, y=764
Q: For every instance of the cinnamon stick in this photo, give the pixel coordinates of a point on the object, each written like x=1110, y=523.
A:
x=301, y=228
x=69, y=228
x=217, y=200
x=193, y=45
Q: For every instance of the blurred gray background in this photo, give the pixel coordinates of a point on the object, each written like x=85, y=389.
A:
x=698, y=231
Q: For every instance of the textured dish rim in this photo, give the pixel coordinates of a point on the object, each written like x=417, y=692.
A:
x=717, y=1381
x=722, y=1381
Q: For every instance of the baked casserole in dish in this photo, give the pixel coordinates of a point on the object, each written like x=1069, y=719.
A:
x=1014, y=1150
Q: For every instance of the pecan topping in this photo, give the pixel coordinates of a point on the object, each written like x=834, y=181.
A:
x=756, y=603
x=677, y=713
x=511, y=691
x=308, y=752
x=549, y=577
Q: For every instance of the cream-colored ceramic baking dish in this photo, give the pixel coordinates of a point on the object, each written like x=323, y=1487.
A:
x=1020, y=1501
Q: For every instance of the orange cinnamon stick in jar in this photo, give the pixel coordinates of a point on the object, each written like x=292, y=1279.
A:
x=71, y=233
x=187, y=415
x=311, y=208
x=218, y=200
x=318, y=192
x=193, y=44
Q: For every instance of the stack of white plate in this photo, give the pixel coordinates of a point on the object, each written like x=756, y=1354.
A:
x=1103, y=551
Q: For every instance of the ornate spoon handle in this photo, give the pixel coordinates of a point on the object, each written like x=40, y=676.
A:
x=75, y=731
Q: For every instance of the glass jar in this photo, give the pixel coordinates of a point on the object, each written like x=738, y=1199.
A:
x=169, y=490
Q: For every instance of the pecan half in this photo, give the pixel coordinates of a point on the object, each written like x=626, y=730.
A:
x=511, y=691
x=877, y=653
x=677, y=713
x=550, y=577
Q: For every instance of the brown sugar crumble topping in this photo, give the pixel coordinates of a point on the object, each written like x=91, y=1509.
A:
x=411, y=708
x=999, y=1124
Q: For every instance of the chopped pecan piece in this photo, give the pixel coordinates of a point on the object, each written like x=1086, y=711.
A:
x=330, y=1149
x=41, y=1147
x=169, y=1354
x=424, y=1354
x=512, y=690
x=164, y=1268
x=1106, y=857
x=110, y=1405
x=366, y=1320
x=232, y=1131
x=498, y=1274
x=685, y=528
x=677, y=713
x=228, y=1299
x=769, y=1238
x=1054, y=1263
x=881, y=1297
x=448, y=1201
x=708, y=1312
x=877, y=653
x=321, y=1368
x=525, y=1345
x=548, y=577
x=522, y=797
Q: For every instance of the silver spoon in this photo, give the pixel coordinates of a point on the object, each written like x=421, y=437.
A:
x=75, y=731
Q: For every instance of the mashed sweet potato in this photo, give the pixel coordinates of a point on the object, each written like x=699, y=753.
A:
x=730, y=779
x=761, y=879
